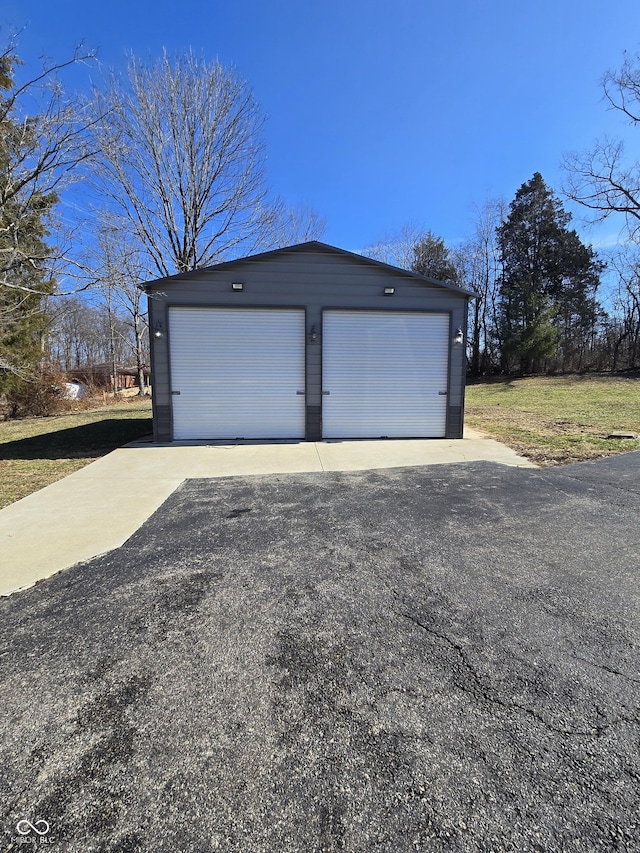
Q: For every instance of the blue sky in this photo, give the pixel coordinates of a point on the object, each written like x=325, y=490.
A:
x=379, y=113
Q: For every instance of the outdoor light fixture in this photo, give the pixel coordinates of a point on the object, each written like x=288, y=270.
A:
x=313, y=335
x=157, y=330
x=237, y=285
x=458, y=338
x=389, y=291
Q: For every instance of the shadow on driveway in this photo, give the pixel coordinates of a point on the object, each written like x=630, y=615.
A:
x=428, y=659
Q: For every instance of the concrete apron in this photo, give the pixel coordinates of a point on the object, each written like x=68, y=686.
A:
x=99, y=507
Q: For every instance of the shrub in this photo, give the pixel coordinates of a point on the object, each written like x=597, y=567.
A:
x=40, y=395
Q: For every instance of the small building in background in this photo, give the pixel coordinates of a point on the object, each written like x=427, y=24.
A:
x=101, y=376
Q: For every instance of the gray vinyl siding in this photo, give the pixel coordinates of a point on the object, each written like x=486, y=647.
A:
x=315, y=280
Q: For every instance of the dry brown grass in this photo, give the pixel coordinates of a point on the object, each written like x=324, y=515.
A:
x=35, y=452
x=554, y=420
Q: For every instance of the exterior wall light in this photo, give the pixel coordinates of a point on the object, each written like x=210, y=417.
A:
x=458, y=338
x=389, y=291
x=237, y=285
x=313, y=335
x=157, y=330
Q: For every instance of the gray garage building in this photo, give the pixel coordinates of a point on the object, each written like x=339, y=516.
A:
x=306, y=342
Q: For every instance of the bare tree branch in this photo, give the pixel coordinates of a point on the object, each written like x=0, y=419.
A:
x=42, y=144
x=293, y=225
x=397, y=249
x=603, y=180
x=181, y=162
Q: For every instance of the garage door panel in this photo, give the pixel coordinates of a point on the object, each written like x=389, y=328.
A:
x=238, y=372
x=384, y=373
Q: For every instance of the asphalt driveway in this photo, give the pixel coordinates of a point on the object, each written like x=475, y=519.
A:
x=434, y=659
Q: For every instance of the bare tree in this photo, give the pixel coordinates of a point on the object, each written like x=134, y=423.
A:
x=481, y=273
x=181, y=162
x=398, y=249
x=120, y=270
x=624, y=325
x=80, y=333
x=75, y=334
x=293, y=225
x=606, y=181
x=42, y=144
x=603, y=179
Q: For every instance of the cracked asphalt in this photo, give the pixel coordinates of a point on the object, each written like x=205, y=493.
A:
x=424, y=659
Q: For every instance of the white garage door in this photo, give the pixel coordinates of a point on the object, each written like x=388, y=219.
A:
x=237, y=373
x=384, y=374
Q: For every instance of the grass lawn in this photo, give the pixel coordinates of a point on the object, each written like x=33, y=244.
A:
x=37, y=451
x=558, y=419
x=550, y=419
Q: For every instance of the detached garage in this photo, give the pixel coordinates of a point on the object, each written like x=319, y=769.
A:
x=306, y=342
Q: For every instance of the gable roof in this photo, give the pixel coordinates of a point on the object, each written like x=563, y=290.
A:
x=312, y=246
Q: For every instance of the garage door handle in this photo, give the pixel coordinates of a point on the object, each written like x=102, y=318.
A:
x=300, y=393
x=175, y=393
x=442, y=393
x=326, y=393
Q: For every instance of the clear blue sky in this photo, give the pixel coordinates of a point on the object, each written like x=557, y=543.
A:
x=382, y=113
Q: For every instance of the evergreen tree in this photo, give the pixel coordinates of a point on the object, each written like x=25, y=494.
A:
x=549, y=281
x=431, y=257
x=25, y=281
x=39, y=153
x=26, y=285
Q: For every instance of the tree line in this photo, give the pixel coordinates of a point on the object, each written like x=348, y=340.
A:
x=540, y=302
x=161, y=170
